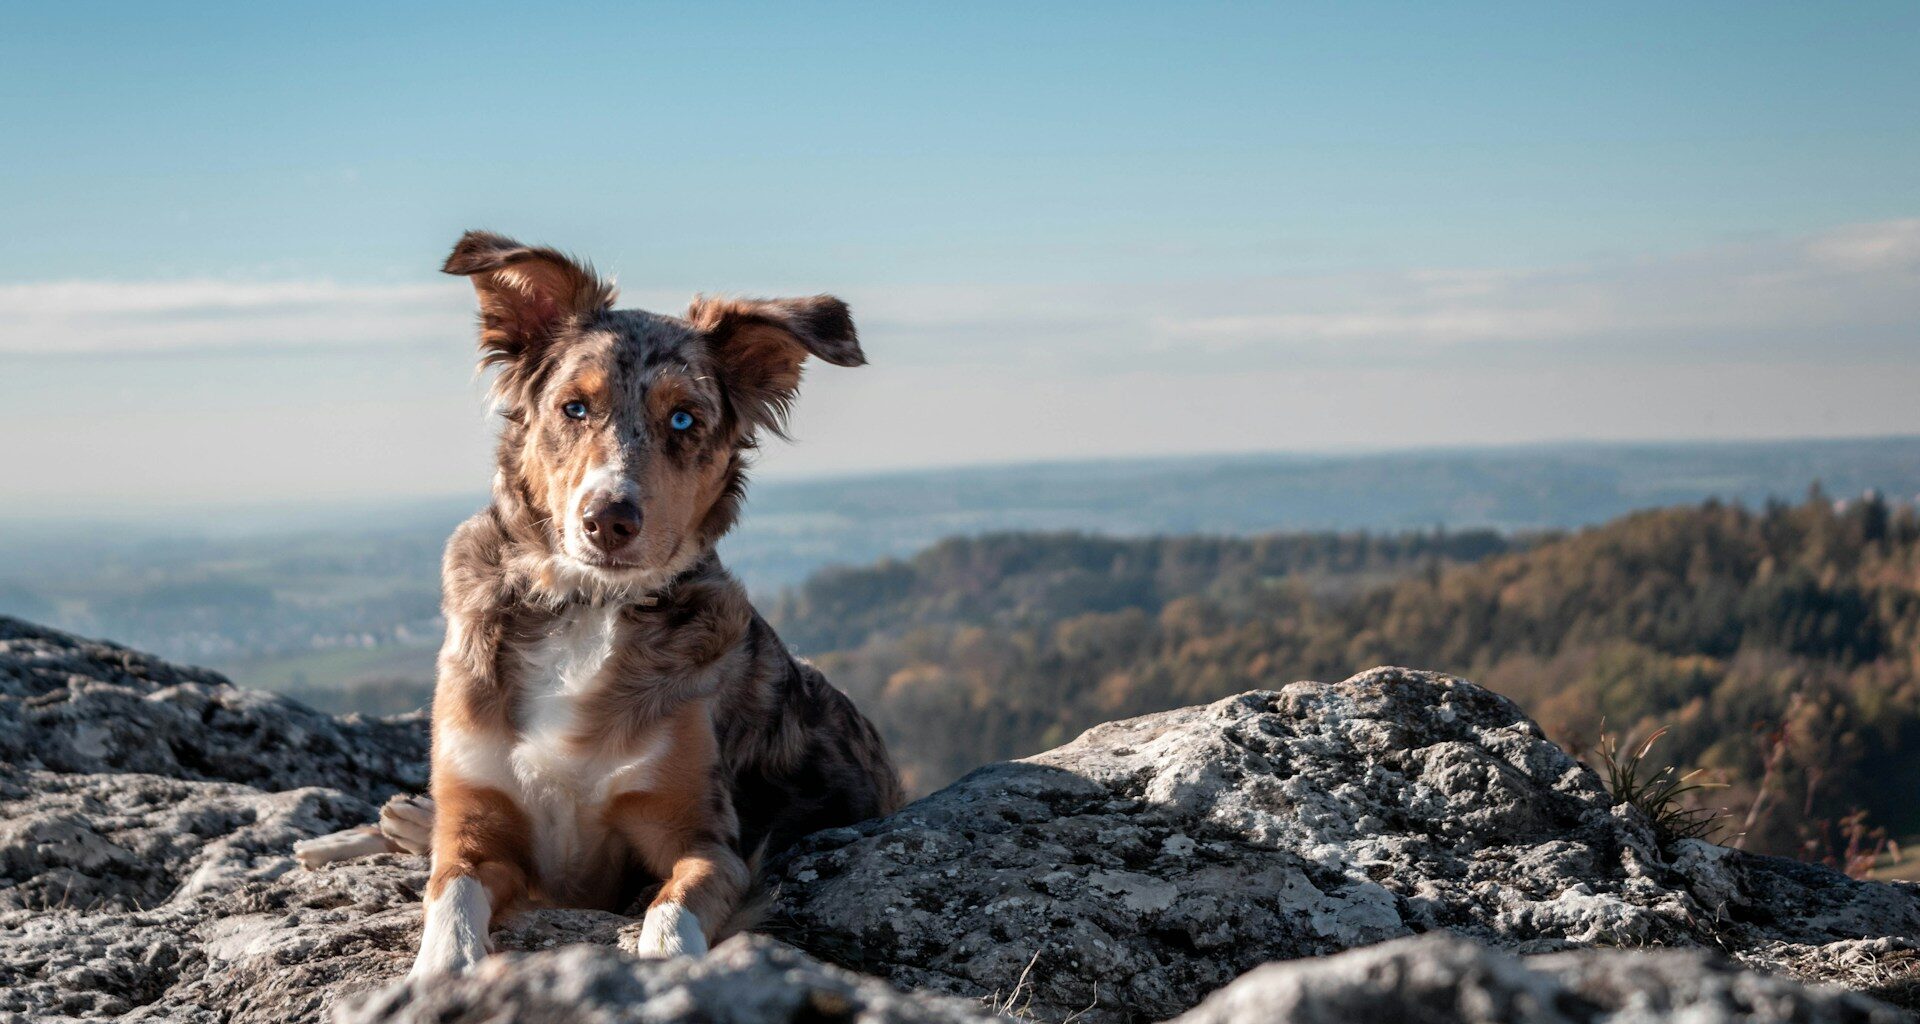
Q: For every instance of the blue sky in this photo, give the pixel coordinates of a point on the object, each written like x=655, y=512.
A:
x=1497, y=223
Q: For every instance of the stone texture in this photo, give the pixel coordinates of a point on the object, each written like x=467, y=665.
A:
x=73, y=705
x=747, y=980
x=1435, y=978
x=242, y=936
x=1151, y=861
x=147, y=814
x=128, y=842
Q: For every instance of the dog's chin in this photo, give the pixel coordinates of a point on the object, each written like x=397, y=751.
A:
x=605, y=568
x=574, y=570
x=595, y=576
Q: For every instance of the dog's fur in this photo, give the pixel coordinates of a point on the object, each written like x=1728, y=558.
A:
x=611, y=719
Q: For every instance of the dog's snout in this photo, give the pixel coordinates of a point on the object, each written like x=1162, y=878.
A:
x=610, y=523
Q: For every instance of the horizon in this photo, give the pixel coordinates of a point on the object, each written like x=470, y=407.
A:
x=1215, y=230
x=229, y=520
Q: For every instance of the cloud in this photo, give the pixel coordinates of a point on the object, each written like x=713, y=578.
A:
x=74, y=317
x=98, y=317
x=1854, y=289
x=1885, y=245
x=1856, y=285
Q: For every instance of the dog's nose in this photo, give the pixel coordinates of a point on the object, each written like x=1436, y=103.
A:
x=610, y=524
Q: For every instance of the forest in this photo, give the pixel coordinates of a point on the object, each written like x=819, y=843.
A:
x=1779, y=647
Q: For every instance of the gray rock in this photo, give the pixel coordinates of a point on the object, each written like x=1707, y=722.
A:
x=73, y=705
x=242, y=935
x=147, y=814
x=129, y=842
x=1434, y=979
x=747, y=980
x=1151, y=861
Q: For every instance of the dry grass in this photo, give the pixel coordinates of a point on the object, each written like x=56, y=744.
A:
x=1018, y=1004
x=1892, y=975
x=1660, y=795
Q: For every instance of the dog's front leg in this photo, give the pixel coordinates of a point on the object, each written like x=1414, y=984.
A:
x=693, y=851
x=480, y=871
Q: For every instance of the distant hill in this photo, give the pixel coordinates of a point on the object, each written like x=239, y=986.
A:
x=339, y=604
x=795, y=527
x=1782, y=645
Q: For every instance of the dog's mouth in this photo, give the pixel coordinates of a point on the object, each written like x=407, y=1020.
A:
x=607, y=563
x=603, y=562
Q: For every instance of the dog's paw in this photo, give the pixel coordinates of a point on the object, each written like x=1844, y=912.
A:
x=351, y=844
x=669, y=929
x=454, y=937
x=407, y=821
x=443, y=958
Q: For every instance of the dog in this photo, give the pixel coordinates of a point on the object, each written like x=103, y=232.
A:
x=611, y=716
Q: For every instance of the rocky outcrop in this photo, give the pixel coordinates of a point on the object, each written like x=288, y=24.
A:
x=147, y=815
x=80, y=706
x=1151, y=861
x=748, y=980
x=1436, y=978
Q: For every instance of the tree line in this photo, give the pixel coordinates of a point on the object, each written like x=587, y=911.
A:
x=1780, y=646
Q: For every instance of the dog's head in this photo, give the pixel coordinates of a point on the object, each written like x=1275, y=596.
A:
x=626, y=430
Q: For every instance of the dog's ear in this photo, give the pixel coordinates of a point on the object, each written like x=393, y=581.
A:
x=526, y=293
x=760, y=344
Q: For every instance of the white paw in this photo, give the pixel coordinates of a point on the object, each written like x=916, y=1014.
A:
x=408, y=822
x=348, y=845
x=670, y=930
x=455, y=935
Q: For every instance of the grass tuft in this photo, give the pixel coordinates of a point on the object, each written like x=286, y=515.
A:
x=1660, y=795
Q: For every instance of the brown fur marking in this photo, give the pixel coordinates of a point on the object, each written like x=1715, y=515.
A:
x=683, y=828
x=482, y=833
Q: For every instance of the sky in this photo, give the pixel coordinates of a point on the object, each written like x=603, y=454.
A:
x=1066, y=231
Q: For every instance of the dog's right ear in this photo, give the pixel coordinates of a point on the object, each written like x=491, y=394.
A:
x=526, y=293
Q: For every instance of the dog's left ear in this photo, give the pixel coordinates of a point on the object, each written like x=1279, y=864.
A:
x=526, y=293
x=761, y=343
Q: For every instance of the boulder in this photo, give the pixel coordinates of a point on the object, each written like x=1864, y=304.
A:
x=1436, y=978
x=746, y=980
x=1151, y=861
x=74, y=705
x=147, y=815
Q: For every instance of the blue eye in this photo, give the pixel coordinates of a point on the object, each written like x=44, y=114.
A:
x=680, y=420
x=575, y=410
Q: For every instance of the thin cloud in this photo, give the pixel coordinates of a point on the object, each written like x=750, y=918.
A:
x=1885, y=245
x=82, y=317
x=103, y=317
x=1856, y=282
x=1853, y=285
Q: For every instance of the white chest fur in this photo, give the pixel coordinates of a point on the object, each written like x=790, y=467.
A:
x=556, y=672
x=563, y=786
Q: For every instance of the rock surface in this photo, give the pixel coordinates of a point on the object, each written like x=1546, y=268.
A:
x=80, y=706
x=747, y=980
x=1435, y=978
x=147, y=812
x=1151, y=861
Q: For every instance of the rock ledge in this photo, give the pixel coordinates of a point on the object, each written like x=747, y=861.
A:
x=147, y=812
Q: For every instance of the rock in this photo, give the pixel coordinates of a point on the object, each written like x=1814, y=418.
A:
x=147, y=815
x=1436, y=978
x=1152, y=861
x=127, y=842
x=73, y=705
x=747, y=980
